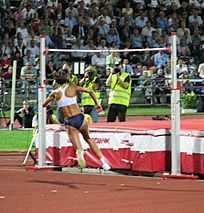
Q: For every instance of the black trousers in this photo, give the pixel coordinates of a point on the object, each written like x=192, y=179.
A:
x=116, y=110
x=25, y=121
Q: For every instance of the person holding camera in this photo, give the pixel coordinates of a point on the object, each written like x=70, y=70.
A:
x=24, y=115
x=92, y=82
x=119, y=95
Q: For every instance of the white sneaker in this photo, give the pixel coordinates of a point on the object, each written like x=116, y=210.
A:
x=80, y=158
x=106, y=167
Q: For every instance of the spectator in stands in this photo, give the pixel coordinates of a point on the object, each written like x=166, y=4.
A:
x=29, y=58
x=20, y=47
x=128, y=9
x=45, y=27
x=152, y=41
x=127, y=67
x=126, y=20
x=103, y=47
x=146, y=85
x=137, y=39
x=111, y=60
x=7, y=46
x=35, y=22
x=162, y=21
x=103, y=28
x=78, y=56
x=147, y=30
x=181, y=30
x=195, y=18
x=5, y=63
x=99, y=61
x=35, y=50
x=195, y=50
x=7, y=77
x=71, y=9
x=68, y=39
x=50, y=71
x=70, y=20
x=18, y=15
x=48, y=41
x=197, y=86
x=28, y=13
x=80, y=29
x=10, y=29
x=141, y=20
x=160, y=59
x=24, y=115
x=23, y=30
x=107, y=12
x=160, y=86
x=113, y=36
x=33, y=36
x=181, y=68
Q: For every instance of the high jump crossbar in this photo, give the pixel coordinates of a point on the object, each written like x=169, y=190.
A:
x=114, y=50
x=175, y=100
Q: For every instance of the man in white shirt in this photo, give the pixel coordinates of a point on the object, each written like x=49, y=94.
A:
x=99, y=61
x=127, y=67
x=35, y=51
x=147, y=30
x=181, y=68
x=141, y=20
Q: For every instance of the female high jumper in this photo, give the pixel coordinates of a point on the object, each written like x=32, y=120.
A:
x=74, y=120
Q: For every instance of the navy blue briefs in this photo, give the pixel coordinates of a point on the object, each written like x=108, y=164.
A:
x=75, y=121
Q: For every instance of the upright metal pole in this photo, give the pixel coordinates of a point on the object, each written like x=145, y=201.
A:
x=41, y=110
x=13, y=94
x=175, y=113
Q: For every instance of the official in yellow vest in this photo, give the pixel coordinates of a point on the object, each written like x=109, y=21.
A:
x=119, y=95
x=92, y=82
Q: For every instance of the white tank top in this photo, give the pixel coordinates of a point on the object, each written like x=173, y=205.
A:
x=64, y=100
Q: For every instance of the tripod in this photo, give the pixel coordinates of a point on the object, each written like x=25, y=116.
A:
x=2, y=103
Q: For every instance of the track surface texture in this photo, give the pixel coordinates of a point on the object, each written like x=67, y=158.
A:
x=24, y=191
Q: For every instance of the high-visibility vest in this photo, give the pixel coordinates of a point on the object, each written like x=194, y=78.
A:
x=118, y=94
x=86, y=99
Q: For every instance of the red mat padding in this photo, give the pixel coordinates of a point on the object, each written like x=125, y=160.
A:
x=192, y=124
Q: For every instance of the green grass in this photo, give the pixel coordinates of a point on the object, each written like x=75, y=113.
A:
x=15, y=140
x=149, y=111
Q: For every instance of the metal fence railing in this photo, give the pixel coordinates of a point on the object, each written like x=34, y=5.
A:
x=143, y=94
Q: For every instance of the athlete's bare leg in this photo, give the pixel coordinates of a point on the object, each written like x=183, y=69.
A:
x=73, y=134
x=75, y=140
x=85, y=133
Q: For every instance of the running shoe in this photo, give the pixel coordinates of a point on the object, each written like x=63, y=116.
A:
x=80, y=158
x=106, y=167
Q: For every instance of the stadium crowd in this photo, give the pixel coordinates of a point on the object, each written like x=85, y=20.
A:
x=104, y=25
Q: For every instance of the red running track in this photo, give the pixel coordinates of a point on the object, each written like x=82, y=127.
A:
x=24, y=191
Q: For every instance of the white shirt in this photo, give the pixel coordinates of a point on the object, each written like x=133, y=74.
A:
x=141, y=22
x=98, y=60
